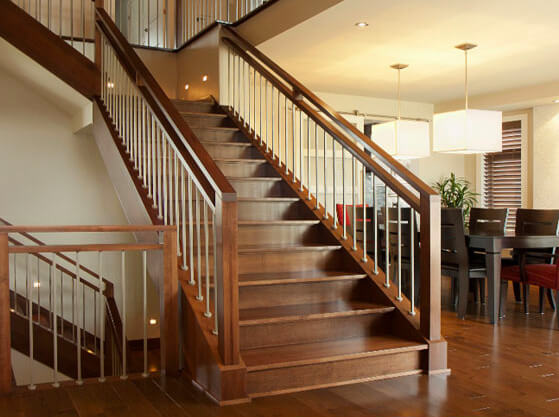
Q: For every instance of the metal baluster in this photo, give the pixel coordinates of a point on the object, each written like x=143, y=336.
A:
x=286, y=136
x=149, y=22
x=216, y=321
x=190, y=232
x=101, y=320
x=354, y=209
x=375, y=226
x=207, y=313
x=62, y=303
x=293, y=159
x=199, y=297
x=79, y=381
x=271, y=119
x=412, y=262
x=123, y=283
x=170, y=181
x=157, y=24
x=54, y=323
x=399, y=298
x=145, y=311
x=83, y=26
x=364, y=186
x=159, y=143
x=344, y=220
x=183, y=210
x=386, y=237
x=279, y=130
x=153, y=174
x=316, y=205
x=72, y=23
x=29, y=291
x=325, y=215
x=164, y=178
x=260, y=103
x=301, y=150
x=177, y=219
x=308, y=158
x=334, y=214
x=267, y=136
x=59, y=17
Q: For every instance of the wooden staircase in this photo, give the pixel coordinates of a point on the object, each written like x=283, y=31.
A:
x=309, y=316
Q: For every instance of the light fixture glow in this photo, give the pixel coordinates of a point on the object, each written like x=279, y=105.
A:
x=36, y=284
x=186, y=86
x=403, y=139
x=152, y=322
x=205, y=78
x=468, y=131
x=361, y=24
x=556, y=100
x=110, y=84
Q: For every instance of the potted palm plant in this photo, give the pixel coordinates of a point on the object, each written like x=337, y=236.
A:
x=456, y=193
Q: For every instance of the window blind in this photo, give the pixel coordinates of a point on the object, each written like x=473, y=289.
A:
x=502, y=179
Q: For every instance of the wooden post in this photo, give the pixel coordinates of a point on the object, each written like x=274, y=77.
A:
x=430, y=253
x=227, y=281
x=169, y=316
x=5, y=340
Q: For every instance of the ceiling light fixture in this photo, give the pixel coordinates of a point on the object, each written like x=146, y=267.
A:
x=556, y=100
x=152, y=322
x=403, y=139
x=205, y=78
x=468, y=131
x=186, y=86
x=361, y=24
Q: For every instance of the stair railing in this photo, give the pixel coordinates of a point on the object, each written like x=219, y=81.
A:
x=195, y=16
x=185, y=187
x=343, y=174
x=85, y=324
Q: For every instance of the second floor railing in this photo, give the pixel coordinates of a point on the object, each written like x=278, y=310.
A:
x=343, y=174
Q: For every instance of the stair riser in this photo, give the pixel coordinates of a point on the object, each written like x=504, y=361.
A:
x=217, y=135
x=196, y=107
x=239, y=152
x=196, y=121
x=247, y=169
x=307, y=331
x=332, y=373
x=299, y=293
x=274, y=210
x=288, y=234
x=261, y=189
x=288, y=261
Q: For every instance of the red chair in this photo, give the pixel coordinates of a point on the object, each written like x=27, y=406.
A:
x=543, y=275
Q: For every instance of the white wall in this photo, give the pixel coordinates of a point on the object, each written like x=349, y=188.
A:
x=546, y=156
x=51, y=176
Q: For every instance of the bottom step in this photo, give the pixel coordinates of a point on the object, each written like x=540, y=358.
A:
x=290, y=368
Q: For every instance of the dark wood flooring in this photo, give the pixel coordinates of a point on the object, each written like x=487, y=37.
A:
x=507, y=370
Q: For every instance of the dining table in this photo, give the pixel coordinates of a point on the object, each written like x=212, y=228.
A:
x=493, y=247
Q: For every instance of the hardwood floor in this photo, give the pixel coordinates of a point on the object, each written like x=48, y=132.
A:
x=507, y=370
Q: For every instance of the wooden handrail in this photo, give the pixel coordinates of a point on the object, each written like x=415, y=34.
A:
x=204, y=167
x=332, y=130
x=300, y=90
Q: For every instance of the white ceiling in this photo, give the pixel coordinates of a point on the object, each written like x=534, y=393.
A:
x=518, y=46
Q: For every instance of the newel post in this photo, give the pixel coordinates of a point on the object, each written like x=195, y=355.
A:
x=169, y=313
x=5, y=340
x=430, y=267
x=227, y=280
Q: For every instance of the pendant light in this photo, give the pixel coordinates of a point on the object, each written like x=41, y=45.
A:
x=467, y=131
x=403, y=139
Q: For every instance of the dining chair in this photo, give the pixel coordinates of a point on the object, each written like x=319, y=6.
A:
x=529, y=222
x=488, y=222
x=544, y=274
x=455, y=259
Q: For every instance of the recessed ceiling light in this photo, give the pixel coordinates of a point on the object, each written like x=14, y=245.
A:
x=556, y=100
x=361, y=24
x=205, y=78
x=153, y=322
x=186, y=86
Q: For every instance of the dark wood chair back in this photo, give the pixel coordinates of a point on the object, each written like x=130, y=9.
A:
x=488, y=221
x=454, y=251
x=536, y=222
x=405, y=231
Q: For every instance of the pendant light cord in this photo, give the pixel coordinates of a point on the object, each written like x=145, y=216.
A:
x=466, y=77
x=399, y=112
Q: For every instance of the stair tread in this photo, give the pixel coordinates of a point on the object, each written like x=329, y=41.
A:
x=268, y=199
x=302, y=354
x=196, y=113
x=219, y=128
x=242, y=160
x=276, y=314
x=278, y=179
x=283, y=248
x=315, y=275
x=242, y=144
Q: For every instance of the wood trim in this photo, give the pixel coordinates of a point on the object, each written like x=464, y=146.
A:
x=46, y=48
x=169, y=314
x=5, y=331
x=300, y=89
x=179, y=132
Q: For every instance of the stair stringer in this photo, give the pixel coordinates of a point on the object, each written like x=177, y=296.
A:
x=130, y=192
x=407, y=325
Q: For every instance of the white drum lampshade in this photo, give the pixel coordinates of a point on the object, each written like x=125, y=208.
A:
x=403, y=139
x=468, y=131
